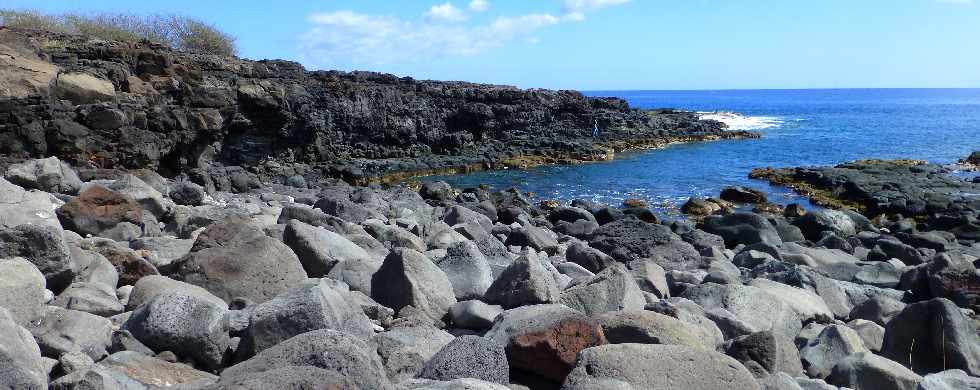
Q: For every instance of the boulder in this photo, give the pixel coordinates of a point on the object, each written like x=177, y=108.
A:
x=21, y=365
x=525, y=282
x=834, y=343
x=742, y=228
x=187, y=193
x=933, y=336
x=456, y=215
x=436, y=190
x=148, y=197
x=467, y=269
x=62, y=330
x=151, y=371
x=97, y=209
x=739, y=194
x=752, y=305
x=544, y=339
x=808, y=305
x=91, y=298
x=650, y=277
x=867, y=371
x=19, y=207
x=43, y=246
x=48, y=175
x=534, y=237
x=872, y=334
x=130, y=265
x=184, y=324
x=877, y=309
x=474, y=314
x=327, y=359
x=589, y=258
x=394, y=237
x=764, y=354
x=404, y=349
x=163, y=250
x=647, y=327
x=319, y=249
x=645, y=366
x=469, y=357
x=94, y=268
x=627, y=240
x=950, y=379
x=22, y=289
x=257, y=270
x=613, y=289
x=314, y=304
x=815, y=222
x=83, y=88
x=357, y=273
x=150, y=286
x=409, y=278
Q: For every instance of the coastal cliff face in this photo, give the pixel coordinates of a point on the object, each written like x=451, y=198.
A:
x=102, y=104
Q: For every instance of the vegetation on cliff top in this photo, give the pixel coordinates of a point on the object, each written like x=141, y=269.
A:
x=179, y=32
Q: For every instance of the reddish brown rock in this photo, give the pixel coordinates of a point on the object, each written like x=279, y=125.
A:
x=551, y=352
x=130, y=265
x=98, y=209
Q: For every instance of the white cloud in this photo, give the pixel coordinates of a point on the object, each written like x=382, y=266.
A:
x=446, y=13
x=479, y=5
x=348, y=39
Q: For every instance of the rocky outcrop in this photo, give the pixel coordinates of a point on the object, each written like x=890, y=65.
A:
x=139, y=105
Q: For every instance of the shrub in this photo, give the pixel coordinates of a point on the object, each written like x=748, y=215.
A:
x=179, y=32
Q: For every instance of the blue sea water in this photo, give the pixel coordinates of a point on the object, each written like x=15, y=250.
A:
x=799, y=127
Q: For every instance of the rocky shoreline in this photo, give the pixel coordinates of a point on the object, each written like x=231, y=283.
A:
x=229, y=123
x=170, y=220
x=136, y=281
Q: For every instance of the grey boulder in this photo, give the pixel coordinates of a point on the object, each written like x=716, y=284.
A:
x=48, y=175
x=409, y=278
x=319, y=249
x=183, y=324
x=21, y=365
x=467, y=269
x=867, y=371
x=613, y=289
x=22, y=289
x=469, y=357
x=525, y=282
x=939, y=336
x=646, y=366
x=62, y=330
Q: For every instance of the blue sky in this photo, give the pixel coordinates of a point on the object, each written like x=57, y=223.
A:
x=604, y=44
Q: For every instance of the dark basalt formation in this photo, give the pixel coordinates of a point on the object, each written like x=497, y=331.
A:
x=119, y=105
x=912, y=189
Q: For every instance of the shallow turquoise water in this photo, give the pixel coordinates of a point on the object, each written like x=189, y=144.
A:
x=808, y=127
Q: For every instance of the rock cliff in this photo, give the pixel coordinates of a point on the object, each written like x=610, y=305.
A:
x=103, y=104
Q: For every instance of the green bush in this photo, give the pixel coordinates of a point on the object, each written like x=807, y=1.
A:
x=179, y=32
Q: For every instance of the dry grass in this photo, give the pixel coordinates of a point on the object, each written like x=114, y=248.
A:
x=179, y=32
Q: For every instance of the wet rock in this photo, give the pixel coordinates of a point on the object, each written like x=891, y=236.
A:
x=740, y=194
x=469, y=357
x=408, y=278
x=943, y=338
x=866, y=371
x=184, y=324
x=642, y=366
x=314, y=304
x=48, y=175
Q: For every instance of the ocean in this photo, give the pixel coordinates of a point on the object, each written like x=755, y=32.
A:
x=799, y=127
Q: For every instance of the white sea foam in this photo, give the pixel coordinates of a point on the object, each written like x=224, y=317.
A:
x=737, y=121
